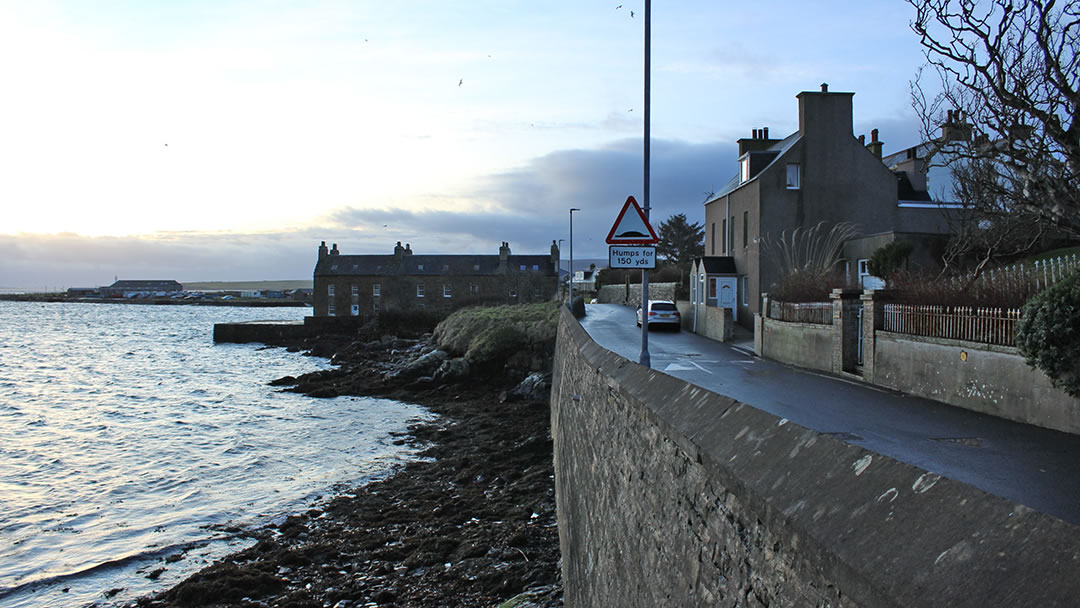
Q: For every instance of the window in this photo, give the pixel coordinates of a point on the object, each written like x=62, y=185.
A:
x=513, y=293
x=419, y=266
x=522, y=267
x=476, y=267
x=331, y=310
x=474, y=288
x=355, y=290
x=731, y=234
x=723, y=249
x=536, y=267
x=447, y=290
x=330, y=290
x=745, y=228
x=712, y=239
x=745, y=289
x=793, y=176
x=445, y=267
x=420, y=290
x=744, y=168
x=537, y=292
x=376, y=290
x=712, y=289
x=375, y=307
x=701, y=289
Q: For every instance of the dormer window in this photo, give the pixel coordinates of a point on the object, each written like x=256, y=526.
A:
x=476, y=267
x=793, y=176
x=744, y=168
x=419, y=266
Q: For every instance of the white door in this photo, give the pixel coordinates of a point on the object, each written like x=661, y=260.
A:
x=727, y=296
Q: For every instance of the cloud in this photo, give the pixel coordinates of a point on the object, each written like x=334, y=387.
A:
x=527, y=206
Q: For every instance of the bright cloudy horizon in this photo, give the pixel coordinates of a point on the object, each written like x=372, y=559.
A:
x=224, y=139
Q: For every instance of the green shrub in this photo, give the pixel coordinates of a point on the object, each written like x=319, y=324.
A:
x=889, y=258
x=1048, y=334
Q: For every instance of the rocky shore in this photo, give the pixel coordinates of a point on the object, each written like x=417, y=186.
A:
x=471, y=524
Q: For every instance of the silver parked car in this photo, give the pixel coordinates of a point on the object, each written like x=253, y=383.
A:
x=662, y=312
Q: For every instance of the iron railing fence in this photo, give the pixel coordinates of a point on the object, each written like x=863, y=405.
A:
x=974, y=324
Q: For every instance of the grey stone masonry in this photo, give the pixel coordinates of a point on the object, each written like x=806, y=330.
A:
x=672, y=495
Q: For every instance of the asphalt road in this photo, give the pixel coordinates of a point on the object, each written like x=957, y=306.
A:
x=1036, y=467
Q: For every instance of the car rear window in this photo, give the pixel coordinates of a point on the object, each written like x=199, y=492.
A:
x=663, y=306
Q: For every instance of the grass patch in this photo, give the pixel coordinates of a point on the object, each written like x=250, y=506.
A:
x=489, y=334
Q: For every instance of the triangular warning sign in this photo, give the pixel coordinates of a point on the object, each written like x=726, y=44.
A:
x=632, y=228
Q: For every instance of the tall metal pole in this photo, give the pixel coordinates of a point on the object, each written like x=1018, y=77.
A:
x=570, y=276
x=644, y=358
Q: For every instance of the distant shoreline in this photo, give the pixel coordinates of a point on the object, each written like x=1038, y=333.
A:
x=57, y=297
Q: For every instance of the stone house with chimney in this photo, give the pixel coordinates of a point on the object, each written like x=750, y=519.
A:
x=364, y=285
x=819, y=173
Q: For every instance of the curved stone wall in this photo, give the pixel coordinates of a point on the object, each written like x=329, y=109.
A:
x=671, y=495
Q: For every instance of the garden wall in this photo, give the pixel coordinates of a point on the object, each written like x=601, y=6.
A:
x=980, y=377
x=621, y=294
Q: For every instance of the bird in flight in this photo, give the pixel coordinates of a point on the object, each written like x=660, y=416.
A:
x=618, y=7
x=460, y=81
x=631, y=14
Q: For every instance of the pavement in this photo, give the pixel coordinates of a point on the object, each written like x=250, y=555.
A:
x=1036, y=467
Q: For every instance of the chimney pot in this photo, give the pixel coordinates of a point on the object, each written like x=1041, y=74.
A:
x=765, y=133
x=873, y=136
x=824, y=87
x=862, y=139
x=753, y=134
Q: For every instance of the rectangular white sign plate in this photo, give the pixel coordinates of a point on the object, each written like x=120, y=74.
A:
x=625, y=256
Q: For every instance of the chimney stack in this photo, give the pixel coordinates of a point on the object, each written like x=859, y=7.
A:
x=874, y=146
x=399, y=251
x=323, y=251
x=334, y=250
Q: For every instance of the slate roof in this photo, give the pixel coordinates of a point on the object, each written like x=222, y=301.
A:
x=156, y=285
x=719, y=264
x=429, y=265
x=777, y=152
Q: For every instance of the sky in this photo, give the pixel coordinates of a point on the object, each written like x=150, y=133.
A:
x=225, y=139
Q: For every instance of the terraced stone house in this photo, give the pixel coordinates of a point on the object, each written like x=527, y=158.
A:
x=362, y=285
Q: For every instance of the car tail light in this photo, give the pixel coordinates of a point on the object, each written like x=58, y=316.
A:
x=651, y=313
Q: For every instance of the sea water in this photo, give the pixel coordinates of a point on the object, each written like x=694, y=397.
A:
x=131, y=443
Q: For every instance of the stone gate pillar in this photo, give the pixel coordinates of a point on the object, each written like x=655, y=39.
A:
x=845, y=318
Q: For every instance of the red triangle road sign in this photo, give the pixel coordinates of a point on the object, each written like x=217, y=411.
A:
x=632, y=228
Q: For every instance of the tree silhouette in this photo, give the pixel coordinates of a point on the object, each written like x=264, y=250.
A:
x=680, y=241
x=1004, y=115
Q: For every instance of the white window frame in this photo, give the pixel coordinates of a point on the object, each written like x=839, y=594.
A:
x=447, y=290
x=745, y=289
x=744, y=168
x=793, y=176
x=330, y=290
x=419, y=290
x=331, y=310
x=376, y=290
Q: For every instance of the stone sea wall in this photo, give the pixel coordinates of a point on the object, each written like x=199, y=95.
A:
x=671, y=495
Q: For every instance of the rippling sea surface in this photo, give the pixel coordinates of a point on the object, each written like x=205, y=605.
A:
x=129, y=442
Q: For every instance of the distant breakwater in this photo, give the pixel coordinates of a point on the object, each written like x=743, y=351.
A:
x=53, y=298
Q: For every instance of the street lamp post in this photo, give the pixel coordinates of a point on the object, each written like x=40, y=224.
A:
x=570, y=276
x=644, y=358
